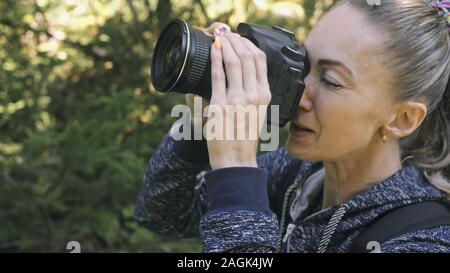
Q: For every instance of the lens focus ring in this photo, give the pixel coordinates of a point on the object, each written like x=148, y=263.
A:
x=200, y=60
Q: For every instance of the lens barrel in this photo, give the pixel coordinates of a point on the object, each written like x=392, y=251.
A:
x=181, y=60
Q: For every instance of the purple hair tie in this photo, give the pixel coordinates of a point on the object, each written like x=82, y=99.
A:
x=443, y=7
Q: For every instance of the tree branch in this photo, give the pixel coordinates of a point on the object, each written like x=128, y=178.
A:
x=203, y=9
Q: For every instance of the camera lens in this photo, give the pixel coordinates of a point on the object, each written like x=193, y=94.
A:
x=172, y=56
x=181, y=60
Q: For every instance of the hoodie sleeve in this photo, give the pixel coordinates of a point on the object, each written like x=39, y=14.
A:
x=173, y=197
x=433, y=240
x=240, y=219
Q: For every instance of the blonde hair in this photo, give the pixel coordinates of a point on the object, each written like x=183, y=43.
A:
x=418, y=50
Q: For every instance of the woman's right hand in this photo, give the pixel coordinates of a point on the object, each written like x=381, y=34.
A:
x=197, y=118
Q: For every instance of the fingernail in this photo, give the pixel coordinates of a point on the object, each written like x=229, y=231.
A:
x=221, y=30
x=224, y=29
x=217, y=43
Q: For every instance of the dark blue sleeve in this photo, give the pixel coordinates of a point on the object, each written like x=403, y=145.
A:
x=240, y=219
x=172, y=198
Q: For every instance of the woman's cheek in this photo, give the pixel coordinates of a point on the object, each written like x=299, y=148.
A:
x=336, y=126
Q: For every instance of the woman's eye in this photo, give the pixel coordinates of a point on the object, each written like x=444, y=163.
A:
x=329, y=83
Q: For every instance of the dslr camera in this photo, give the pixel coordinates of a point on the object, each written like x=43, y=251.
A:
x=181, y=63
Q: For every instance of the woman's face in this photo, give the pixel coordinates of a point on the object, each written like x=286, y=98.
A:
x=346, y=98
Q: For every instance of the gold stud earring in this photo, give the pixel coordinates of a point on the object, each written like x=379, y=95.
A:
x=384, y=139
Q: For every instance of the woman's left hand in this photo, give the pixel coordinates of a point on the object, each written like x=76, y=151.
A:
x=247, y=92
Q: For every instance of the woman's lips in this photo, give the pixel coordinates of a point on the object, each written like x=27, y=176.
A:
x=299, y=131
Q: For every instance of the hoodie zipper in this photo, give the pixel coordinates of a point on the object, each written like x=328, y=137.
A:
x=287, y=195
x=284, y=213
x=287, y=237
x=329, y=230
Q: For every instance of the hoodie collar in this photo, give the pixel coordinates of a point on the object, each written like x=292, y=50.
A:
x=407, y=185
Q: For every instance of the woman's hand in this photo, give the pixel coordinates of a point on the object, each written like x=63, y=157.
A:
x=246, y=75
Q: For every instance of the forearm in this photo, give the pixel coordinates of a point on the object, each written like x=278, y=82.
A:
x=171, y=200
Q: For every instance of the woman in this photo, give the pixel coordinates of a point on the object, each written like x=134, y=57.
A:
x=371, y=136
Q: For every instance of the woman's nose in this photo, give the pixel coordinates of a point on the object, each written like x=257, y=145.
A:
x=305, y=102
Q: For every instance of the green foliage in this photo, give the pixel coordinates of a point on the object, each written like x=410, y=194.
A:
x=79, y=118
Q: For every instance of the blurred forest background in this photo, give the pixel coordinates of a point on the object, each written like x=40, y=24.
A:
x=79, y=118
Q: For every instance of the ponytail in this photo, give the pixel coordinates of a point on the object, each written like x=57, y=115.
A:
x=429, y=147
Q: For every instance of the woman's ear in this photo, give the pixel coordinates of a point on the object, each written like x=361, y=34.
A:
x=406, y=118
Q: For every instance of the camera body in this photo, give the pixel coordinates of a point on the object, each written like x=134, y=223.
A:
x=287, y=66
x=181, y=63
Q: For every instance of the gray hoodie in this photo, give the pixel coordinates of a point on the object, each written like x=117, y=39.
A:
x=230, y=207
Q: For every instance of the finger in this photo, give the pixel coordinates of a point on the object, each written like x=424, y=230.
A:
x=261, y=71
x=216, y=25
x=248, y=65
x=260, y=61
x=232, y=67
x=218, y=84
